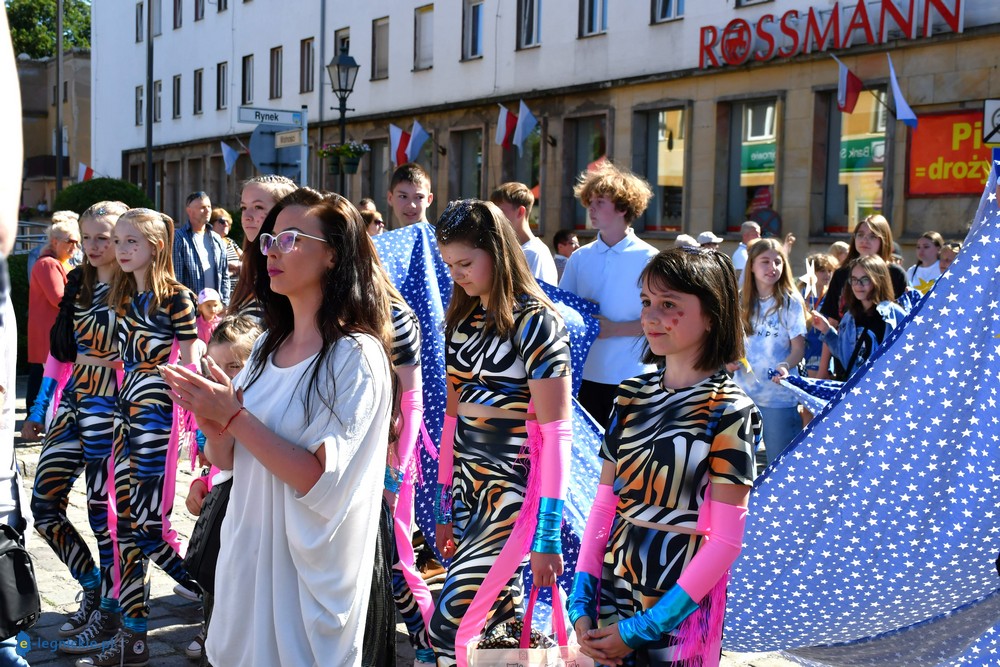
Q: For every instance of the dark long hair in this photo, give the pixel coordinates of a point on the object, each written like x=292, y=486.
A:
x=355, y=300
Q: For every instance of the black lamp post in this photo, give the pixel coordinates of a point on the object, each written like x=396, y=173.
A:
x=343, y=70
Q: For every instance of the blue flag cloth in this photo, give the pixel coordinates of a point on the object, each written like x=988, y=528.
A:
x=415, y=266
x=876, y=532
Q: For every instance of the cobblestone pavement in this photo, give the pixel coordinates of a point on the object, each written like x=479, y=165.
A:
x=173, y=621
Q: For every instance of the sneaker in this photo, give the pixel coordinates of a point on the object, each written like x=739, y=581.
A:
x=127, y=648
x=196, y=649
x=94, y=638
x=80, y=619
x=190, y=594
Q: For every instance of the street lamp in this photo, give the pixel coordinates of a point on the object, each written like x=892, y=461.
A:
x=343, y=70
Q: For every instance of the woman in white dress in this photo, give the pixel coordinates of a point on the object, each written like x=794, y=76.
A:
x=304, y=427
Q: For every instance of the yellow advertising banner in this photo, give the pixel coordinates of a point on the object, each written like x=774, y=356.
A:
x=947, y=155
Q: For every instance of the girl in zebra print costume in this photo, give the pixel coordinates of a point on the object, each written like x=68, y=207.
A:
x=79, y=438
x=505, y=446
x=678, y=466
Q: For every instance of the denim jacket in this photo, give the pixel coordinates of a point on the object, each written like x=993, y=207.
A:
x=844, y=339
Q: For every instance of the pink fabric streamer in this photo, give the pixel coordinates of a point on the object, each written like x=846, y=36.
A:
x=403, y=531
x=699, y=636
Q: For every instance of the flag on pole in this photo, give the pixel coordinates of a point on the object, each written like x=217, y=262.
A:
x=526, y=122
x=506, y=124
x=229, y=156
x=84, y=173
x=398, y=140
x=418, y=137
x=848, y=87
x=903, y=110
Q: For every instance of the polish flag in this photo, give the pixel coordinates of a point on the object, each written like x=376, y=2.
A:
x=848, y=88
x=506, y=124
x=418, y=137
x=84, y=173
x=526, y=122
x=398, y=140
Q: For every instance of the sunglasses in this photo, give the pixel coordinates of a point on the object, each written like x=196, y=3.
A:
x=284, y=241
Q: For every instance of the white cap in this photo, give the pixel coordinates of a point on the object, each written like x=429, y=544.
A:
x=208, y=294
x=708, y=237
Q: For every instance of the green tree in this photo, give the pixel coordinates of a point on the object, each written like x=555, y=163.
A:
x=33, y=26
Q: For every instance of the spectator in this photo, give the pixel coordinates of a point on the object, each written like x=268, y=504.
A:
x=948, y=254
x=34, y=253
x=374, y=224
x=749, y=232
x=709, y=241
x=199, y=254
x=221, y=222
x=821, y=268
x=410, y=194
x=565, y=243
x=686, y=241
x=606, y=271
x=367, y=204
x=516, y=202
x=922, y=275
x=839, y=251
x=45, y=291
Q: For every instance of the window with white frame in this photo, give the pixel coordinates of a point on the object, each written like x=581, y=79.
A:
x=222, y=85
x=472, y=29
x=529, y=23
x=667, y=10
x=593, y=17
x=177, y=96
x=307, y=65
x=199, y=81
x=759, y=125
x=157, y=100
x=274, y=86
x=138, y=105
x=246, y=91
x=380, y=48
x=423, y=37
x=140, y=22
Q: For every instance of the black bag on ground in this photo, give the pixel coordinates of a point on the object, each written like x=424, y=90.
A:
x=203, y=547
x=20, y=605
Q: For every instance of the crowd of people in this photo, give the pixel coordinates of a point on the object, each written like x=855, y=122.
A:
x=292, y=365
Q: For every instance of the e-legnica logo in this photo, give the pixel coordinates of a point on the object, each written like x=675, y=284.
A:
x=23, y=644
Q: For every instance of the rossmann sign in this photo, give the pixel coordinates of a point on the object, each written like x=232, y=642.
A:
x=844, y=25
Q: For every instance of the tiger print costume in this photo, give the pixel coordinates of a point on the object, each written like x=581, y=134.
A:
x=667, y=445
x=144, y=460
x=491, y=461
x=79, y=440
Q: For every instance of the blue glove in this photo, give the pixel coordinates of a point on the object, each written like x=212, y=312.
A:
x=42, y=400
x=652, y=624
x=548, y=539
x=442, y=508
x=583, y=597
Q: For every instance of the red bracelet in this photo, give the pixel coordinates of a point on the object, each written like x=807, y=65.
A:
x=235, y=415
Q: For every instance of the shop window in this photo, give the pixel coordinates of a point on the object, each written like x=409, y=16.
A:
x=665, y=157
x=754, y=151
x=590, y=148
x=855, y=167
x=525, y=167
x=380, y=169
x=469, y=144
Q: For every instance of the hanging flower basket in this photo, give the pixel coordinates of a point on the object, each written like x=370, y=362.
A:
x=333, y=166
x=350, y=164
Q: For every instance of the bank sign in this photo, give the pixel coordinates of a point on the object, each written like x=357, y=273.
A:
x=947, y=156
x=841, y=26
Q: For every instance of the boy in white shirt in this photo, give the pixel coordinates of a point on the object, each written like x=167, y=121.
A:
x=516, y=202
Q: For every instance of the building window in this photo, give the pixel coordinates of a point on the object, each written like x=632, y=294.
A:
x=307, y=65
x=855, y=164
x=138, y=105
x=380, y=169
x=223, y=5
x=593, y=17
x=274, y=87
x=380, y=48
x=752, y=192
x=246, y=97
x=199, y=10
x=342, y=40
x=529, y=23
x=662, y=160
x=157, y=8
x=590, y=146
x=472, y=30
x=199, y=80
x=747, y=3
x=222, y=85
x=177, y=96
x=140, y=22
x=469, y=144
x=157, y=100
x=178, y=13
x=423, y=37
x=667, y=10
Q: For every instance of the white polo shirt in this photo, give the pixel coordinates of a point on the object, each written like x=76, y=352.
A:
x=609, y=276
x=540, y=261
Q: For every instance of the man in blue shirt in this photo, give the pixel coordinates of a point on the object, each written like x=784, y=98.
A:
x=199, y=253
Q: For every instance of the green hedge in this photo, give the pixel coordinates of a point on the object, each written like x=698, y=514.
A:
x=17, y=265
x=81, y=196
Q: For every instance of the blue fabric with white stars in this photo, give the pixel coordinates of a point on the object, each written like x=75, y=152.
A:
x=415, y=266
x=873, y=538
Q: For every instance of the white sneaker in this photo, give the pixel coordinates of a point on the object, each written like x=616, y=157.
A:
x=187, y=593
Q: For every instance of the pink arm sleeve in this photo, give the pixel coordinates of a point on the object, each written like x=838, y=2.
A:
x=446, y=457
x=719, y=551
x=411, y=407
x=595, y=536
x=54, y=368
x=557, y=441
